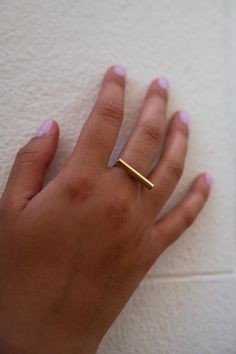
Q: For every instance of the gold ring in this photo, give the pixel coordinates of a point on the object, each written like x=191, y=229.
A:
x=140, y=178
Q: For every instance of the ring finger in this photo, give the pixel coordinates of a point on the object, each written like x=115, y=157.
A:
x=168, y=171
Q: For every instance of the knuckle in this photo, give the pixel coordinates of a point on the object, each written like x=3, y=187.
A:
x=110, y=111
x=118, y=210
x=80, y=187
x=26, y=156
x=175, y=168
x=152, y=133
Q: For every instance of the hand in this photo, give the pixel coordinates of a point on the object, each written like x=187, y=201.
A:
x=73, y=252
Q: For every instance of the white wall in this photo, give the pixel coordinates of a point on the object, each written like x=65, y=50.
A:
x=52, y=56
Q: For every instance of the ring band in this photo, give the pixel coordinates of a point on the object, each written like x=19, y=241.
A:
x=140, y=178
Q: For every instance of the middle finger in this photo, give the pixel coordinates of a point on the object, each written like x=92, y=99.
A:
x=142, y=145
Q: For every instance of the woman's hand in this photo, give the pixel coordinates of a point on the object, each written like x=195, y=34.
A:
x=73, y=252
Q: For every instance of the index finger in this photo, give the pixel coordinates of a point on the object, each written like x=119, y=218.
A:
x=100, y=131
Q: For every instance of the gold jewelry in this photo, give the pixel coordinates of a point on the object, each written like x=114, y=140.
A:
x=140, y=178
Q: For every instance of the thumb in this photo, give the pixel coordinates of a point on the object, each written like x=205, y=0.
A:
x=29, y=168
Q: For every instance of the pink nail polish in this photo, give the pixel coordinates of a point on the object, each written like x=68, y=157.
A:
x=119, y=70
x=163, y=83
x=208, y=179
x=184, y=117
x=45, y=128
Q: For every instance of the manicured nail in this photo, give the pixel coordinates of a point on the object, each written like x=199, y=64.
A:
x=208, y=179
x=119, y=70
x=45, y=127
x=163, y=83
x=184, y=117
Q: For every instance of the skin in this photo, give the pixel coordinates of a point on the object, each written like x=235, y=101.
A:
x=73, y=252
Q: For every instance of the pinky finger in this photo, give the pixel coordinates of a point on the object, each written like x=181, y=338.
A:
x=174, y=223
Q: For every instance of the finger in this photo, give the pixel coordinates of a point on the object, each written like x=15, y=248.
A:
x=142, y=146
x=168, y=171
x=101, y=129
x=173, y=224
x=28, y=171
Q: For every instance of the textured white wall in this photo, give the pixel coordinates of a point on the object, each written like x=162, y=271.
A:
x=52, y=56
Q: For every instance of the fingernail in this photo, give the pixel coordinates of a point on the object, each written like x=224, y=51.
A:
x=184, y=117
x=119, y=70
x=45, y=127
x=208, y=179
x=163, y=83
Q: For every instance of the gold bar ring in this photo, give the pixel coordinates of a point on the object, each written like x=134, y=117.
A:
x=140, y=178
